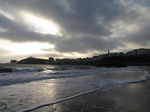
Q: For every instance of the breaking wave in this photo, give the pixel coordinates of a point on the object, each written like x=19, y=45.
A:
x=27, y=70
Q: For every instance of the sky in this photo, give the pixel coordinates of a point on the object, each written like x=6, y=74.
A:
x=72, y=28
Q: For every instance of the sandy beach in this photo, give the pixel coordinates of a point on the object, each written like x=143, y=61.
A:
x=79, y=89
x=127, y=98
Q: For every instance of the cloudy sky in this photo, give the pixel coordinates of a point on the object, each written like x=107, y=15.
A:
x=72, y=28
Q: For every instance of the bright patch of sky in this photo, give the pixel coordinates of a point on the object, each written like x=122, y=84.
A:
x=40, y=25
x=25, y=48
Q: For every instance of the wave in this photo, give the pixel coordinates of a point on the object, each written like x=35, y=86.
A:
x=130, y=81
x=104, y=84
x=57, y=69
x=27, y=70
x=25, y=75
x=61, y=100
x=142, y=78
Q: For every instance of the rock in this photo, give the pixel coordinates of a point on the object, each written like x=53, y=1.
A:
x=3, y=70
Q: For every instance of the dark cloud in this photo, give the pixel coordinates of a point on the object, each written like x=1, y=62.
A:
x=27, y=36
x=85, y=17
x=141, y=36
x=20, y=33
x=87, y=44
x=85, y=25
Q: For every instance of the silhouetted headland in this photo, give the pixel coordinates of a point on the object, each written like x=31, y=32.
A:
x=137, y=57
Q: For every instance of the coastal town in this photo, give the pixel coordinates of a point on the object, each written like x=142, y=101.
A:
x=134, y=57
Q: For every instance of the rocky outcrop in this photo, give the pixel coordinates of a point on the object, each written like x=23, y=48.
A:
x=111, y=62
x=4, y=70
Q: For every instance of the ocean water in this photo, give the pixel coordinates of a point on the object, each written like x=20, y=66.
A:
x=29, y=87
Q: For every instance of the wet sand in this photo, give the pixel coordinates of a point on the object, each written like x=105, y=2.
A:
x=126, y=98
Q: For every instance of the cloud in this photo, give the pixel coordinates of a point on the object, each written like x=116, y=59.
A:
x=142, y=36
x=4, y=52
x=84, y=26
x=20, y=32
x=5, y=55
x=87, y=44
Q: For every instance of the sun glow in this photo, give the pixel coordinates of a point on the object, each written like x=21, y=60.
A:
x=28, y=48
x=40, y=25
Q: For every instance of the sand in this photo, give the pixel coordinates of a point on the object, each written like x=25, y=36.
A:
x=133, y=97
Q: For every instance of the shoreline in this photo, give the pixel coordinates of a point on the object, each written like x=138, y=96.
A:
x=133, y=97
x=123, y=90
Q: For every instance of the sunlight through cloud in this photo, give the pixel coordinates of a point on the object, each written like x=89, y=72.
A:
x=40, y=25
x=27, y=48
x=6, y=14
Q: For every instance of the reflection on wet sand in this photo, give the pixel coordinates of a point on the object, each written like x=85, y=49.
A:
x=127, y=98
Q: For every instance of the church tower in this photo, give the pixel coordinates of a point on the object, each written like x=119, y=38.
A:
x=108, y=52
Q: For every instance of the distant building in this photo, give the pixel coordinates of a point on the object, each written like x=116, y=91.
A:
x=121, y=54
x=68, y=60
x=112, y=54
x=133, y=52
x=144, y=51
x=13, y=61
x=65, y=61
x=51, y=59
x=46, y=62
x=140, y=51
x=108, y=52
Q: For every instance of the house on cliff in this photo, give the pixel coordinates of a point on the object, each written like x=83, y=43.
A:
x=141, y=51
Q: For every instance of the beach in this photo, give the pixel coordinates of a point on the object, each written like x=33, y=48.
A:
x=41, y=88
x=128, y=98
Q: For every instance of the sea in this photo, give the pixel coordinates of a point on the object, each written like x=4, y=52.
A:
x=31, y=86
